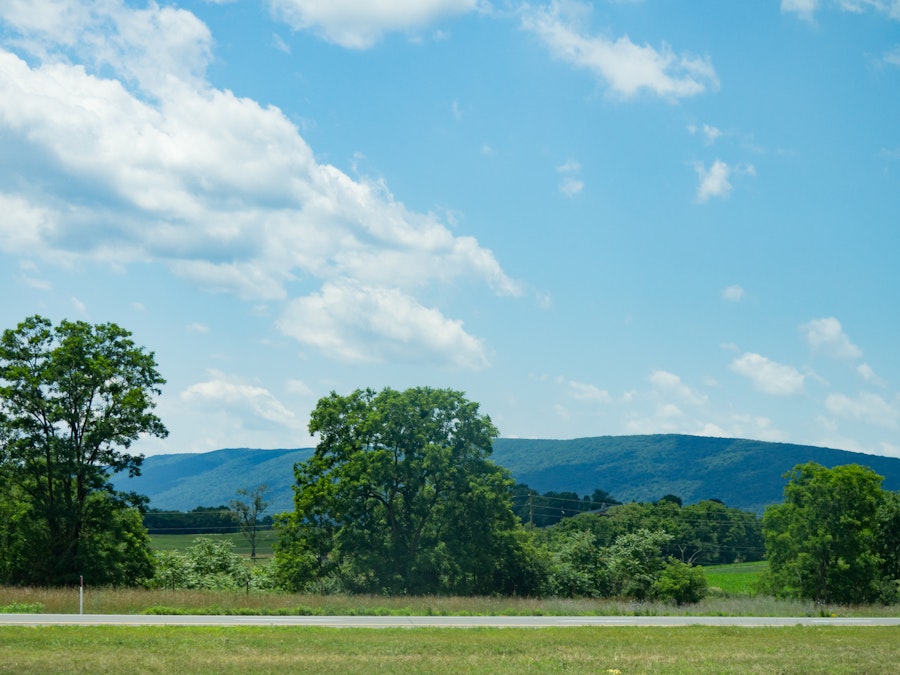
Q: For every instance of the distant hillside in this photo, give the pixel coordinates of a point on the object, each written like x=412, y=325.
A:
x=743, y=474
x=185, y=481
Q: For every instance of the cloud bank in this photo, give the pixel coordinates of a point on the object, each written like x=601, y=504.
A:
x=113, y=102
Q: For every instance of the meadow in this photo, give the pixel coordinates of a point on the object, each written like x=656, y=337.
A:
x=614, y=650
x=607, y=649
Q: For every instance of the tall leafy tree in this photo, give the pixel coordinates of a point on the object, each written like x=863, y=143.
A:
x=400, y=497
x=73, y=398
x=822, y=542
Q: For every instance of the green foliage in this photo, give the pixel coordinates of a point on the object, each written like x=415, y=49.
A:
x=400, y=497
x=830, y=539
x=544, y=510
x=680, y=583
x=707, y=532
x=22, y=608
x=73, y=397
x=576, y=568
x=209, y=564
x=200, y=520
x=635, y=562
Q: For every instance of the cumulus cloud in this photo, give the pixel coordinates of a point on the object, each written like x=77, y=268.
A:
x=253, y=404
x=715, y=181
x=359, y=24
x=710, y=133
x=361, y=324
x=628, y=69
x=671, y=384
x=827, y=335
x=769, y=376
x=114, y=102
x=868, y=374
x=867, y=407
x=588, y=392
x=805, y=9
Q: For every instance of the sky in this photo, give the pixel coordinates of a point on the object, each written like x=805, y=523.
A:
x=618, y=217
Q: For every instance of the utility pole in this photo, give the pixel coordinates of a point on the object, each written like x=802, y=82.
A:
x=531, y=510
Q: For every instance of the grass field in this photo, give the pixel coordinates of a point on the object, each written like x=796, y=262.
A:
x=265, y=541
x=740, y=579
x=693, y=649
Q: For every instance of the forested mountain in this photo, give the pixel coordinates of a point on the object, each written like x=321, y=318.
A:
x=741, y=473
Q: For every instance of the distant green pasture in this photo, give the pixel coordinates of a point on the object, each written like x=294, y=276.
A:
x=265, y=541
x=736, y=579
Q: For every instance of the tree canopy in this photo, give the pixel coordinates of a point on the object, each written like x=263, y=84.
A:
x=827, y=540
x=400, y=497
x=73, y=398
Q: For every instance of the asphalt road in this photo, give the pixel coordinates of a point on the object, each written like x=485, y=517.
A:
x=431, y=621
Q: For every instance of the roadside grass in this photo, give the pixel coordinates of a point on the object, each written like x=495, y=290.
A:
x=238, y=649
x=180, y=601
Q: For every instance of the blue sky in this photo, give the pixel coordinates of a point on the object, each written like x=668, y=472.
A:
x=594, y=218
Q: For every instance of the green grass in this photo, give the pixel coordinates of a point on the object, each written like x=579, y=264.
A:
x=265, y=542
x=693, y=649
x=739, y=579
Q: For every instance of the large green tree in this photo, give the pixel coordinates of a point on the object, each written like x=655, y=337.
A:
x=73, y=398
x=400, y=497
x=823, y=541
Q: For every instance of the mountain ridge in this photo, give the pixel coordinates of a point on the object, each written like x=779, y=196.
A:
x=742, y=473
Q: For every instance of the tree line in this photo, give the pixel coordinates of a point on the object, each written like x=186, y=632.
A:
x=399, y=497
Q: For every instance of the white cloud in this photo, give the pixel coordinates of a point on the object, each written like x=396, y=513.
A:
x=359, y=24
x=197, y=327
x=733, y=293
x=670, y=384
x=252, y=404
x=627, y=68
x=713, y=181
x=357, y=324
x=588, y=392
x=867, y=407
x=298, y=387
x=569, y=184
x=827, y=335
x=865, y=372
x=280, y=44
x=710, y=133
x=806, y=9
x=892, y=56
x=221, y=190
x=768, y=376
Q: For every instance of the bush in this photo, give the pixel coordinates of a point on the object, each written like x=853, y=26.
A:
x=680, y=583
